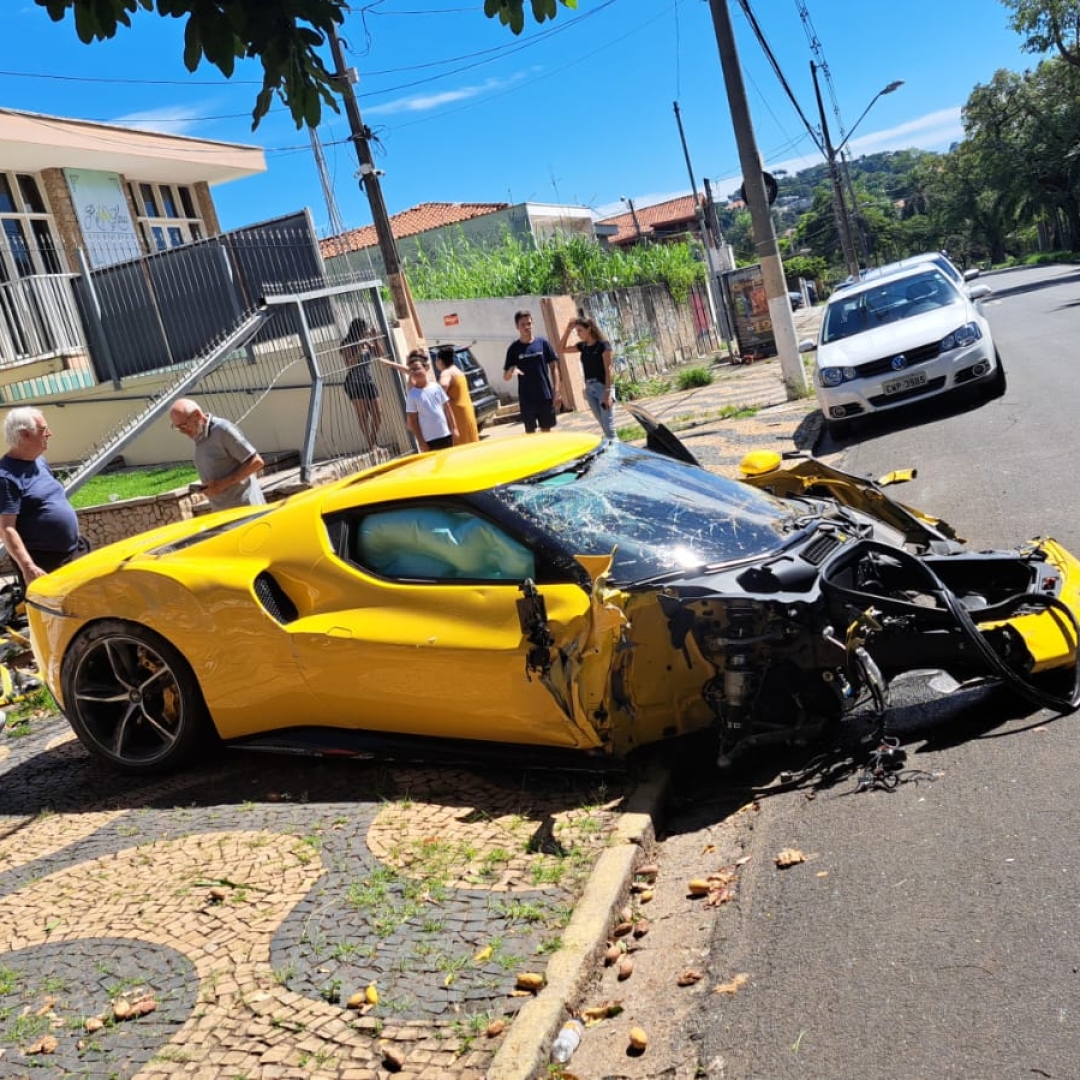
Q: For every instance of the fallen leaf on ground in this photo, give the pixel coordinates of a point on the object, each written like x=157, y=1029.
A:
x=483, y=955
x=789, y=857
x=733, y=985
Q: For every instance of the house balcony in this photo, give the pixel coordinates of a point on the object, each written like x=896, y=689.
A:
x=43, y=348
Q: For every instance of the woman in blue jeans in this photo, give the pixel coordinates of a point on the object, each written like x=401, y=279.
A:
x=596, y=365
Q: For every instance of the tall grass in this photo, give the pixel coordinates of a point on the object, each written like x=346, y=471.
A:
x=463, y=270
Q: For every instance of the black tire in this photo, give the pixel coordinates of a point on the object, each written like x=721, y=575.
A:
x=998, y=382
x=840, y=429
x=132, y=698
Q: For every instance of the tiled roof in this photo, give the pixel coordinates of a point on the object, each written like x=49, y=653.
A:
x=416, y=219
x=663, y=216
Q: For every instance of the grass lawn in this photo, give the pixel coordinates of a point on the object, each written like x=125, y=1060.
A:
x=133, y=484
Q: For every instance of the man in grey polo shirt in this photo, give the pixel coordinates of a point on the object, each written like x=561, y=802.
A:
x=224, y=459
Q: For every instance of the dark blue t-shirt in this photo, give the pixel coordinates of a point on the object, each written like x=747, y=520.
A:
x=532, y=359
x=45, y=520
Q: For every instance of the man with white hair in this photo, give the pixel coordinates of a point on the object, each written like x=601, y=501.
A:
x=225, y=460
x=38, y=525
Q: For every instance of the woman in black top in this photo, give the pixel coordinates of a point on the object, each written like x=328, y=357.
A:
x=358, y=348
x=596, y=365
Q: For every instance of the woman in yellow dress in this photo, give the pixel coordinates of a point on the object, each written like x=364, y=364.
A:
x=452, y=380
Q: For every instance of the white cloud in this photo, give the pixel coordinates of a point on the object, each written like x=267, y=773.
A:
x=168, y=120
x=934, y=131
x=424, y=102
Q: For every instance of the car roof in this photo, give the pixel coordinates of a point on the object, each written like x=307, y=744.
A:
x=925, y=258
x=877, y=280
x=468, y=468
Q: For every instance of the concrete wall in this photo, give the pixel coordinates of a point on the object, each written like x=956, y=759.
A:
x=488, y=327
x=647, y=329
x=276, y=423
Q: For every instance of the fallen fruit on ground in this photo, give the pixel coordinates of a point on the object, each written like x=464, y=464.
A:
x=496, y=1027
x=529, y=980
x=789, y=857
x=626, y=967
x=639, y=1038
x=688, y=978
x=733, y=985
x=612, y=953
x=594, y=1014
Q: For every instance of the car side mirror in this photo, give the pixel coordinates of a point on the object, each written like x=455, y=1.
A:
x=974, y=272
x=977, y=292
x=807, y=345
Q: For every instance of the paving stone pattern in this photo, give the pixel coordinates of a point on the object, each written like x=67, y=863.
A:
x=251, y=898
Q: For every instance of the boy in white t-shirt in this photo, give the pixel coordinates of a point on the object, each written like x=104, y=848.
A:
x=427, y=408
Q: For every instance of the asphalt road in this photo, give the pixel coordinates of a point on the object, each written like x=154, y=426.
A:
x=933, y=931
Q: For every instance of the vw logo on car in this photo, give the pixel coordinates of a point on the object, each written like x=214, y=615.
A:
x=898, y=363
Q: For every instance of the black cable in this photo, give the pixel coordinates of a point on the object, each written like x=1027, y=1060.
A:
x=974, y=635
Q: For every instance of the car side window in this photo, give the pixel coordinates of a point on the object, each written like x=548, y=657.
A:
x=432, y=542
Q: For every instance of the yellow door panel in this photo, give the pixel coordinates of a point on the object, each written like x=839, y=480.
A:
x=447, y=661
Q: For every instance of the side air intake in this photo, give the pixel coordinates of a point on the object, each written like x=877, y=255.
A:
x=274, y=599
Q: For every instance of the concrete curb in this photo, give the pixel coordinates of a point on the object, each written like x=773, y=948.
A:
x=524, y=1052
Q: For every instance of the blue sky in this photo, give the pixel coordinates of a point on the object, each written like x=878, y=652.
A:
x=579, y=110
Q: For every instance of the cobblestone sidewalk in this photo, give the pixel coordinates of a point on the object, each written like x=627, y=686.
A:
x=269, y=918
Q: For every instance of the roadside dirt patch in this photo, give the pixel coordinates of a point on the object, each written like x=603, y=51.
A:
x=704, y=840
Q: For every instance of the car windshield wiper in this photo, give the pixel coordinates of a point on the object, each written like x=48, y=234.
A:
x=564, y=475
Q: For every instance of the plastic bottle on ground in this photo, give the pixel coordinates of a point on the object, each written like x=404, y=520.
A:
x=566, y=1042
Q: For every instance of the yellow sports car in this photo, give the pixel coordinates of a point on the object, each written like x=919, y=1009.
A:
x=561, y=593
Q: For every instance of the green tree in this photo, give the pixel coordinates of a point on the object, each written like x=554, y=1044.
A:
x=285, y=35
x=1023, y=128
x=1048, y=26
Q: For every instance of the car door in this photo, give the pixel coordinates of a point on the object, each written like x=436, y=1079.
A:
x=448, y=636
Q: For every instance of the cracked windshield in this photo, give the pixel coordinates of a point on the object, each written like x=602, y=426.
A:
x=658, y=515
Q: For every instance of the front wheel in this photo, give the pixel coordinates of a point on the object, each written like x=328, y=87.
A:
x=997, y=383
x=132, y=698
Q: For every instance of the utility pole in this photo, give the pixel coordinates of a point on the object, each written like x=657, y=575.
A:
x=633, y=214
x=843, y=222
x=772, y=270
x=369, y=179
x=716, y=298
x=856, y=212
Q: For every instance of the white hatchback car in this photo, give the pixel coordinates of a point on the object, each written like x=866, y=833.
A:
x=901, y=338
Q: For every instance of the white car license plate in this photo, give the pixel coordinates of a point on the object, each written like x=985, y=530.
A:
x=908, y=382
